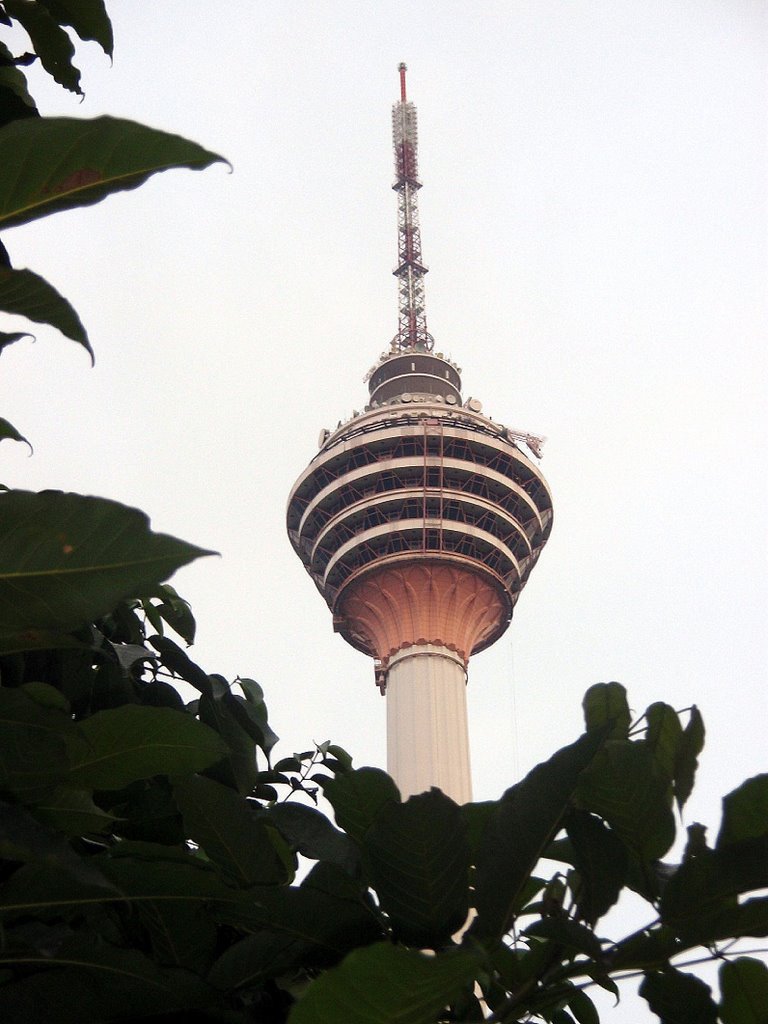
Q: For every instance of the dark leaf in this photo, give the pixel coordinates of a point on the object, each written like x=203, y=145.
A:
x=358, y=797
x=678, y=998
x=15, y=101
x=386, y=984
x=73, y=812
x=582, y=1008
x=51, y=42
x=24, y=838
x=66, y=559
x=644, y=950
x=10, y=339
x=476, y=817
x=729, y=921
x=96, y=979
x=310, y=926
x=688, y=751
x=416, y=857
x=566, y=933
x=9, y=433
x=744, y=992
x=178, y=662
x=528, y=817
x=622, y=787
x=118, y=746
x=33, y=745
x=745, y=812
x=87, y=17
x=663, y=738
x=708, y=882
x=238, y=770
x=24, y=293
x=601, y=860
x=57, y=163
x=606, y=710
x=252, y=720
x=248, y=850
x=181, y=934
x=311, y=834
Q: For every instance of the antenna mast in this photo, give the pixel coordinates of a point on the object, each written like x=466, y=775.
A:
x=412, y=334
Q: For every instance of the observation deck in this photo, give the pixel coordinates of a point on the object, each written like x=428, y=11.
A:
x=420, y=519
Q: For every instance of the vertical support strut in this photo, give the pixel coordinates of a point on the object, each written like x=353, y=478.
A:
x=412, y=333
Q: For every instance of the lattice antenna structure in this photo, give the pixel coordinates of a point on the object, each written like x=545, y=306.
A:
x=412, y=334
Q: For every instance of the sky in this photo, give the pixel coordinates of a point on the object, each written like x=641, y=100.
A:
x=595, y=219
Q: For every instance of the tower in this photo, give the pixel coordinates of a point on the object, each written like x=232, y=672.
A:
x=420, y=520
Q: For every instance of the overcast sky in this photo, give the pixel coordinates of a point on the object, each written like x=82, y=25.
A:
x=594, y=217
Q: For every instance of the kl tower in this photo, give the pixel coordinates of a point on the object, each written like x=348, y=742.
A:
x=420, y=520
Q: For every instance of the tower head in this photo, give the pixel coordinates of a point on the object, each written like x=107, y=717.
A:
x=419, y=519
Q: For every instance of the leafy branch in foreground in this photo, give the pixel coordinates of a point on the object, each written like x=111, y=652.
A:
x=150, y=866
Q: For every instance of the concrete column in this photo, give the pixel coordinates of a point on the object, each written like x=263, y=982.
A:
x=427, y=737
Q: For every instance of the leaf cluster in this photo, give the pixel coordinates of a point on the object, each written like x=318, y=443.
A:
x=151, y=858
x=49, y=164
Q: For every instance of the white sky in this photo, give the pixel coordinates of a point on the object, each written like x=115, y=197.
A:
x=595, y=217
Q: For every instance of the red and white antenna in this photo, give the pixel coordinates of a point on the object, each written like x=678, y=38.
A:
x=412, y=334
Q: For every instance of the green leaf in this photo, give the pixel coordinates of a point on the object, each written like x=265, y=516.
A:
x=678, y=998
x=24, y=838
x=232, y=835
x=238, y=769
x=710, y=881
x=179, y=662
x=57, y=163
x=528, y=817
x=66, y=559
x=295, y=927
x=179, y=617
x=643, y=950
x=94, y=980
x=121, y=745
x=730, y=921
x=51, y=42
x=9, y=433
x=358, y=797
x=341, y=755
x=601, y=860
x=15, y=100
x=583, y=1008
x=24, y=293
x=33, y=747
x=663, y=738
x=744, y=991
x=567, y=933
x=87, y=17
x=606, y=708
x=476, y=817
x=73, y=812
x=622, y=787
x=386, y=984
x=689, y=748
x=182, y=934
x=9, y=339
x=251, y=719
x=745, y=812
x=416, y=857
x=312, y=835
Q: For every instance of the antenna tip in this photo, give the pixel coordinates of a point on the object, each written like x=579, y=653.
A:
x=402, y=66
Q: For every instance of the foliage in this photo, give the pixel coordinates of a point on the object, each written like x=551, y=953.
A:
x=158, y=862
x=153, y=863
